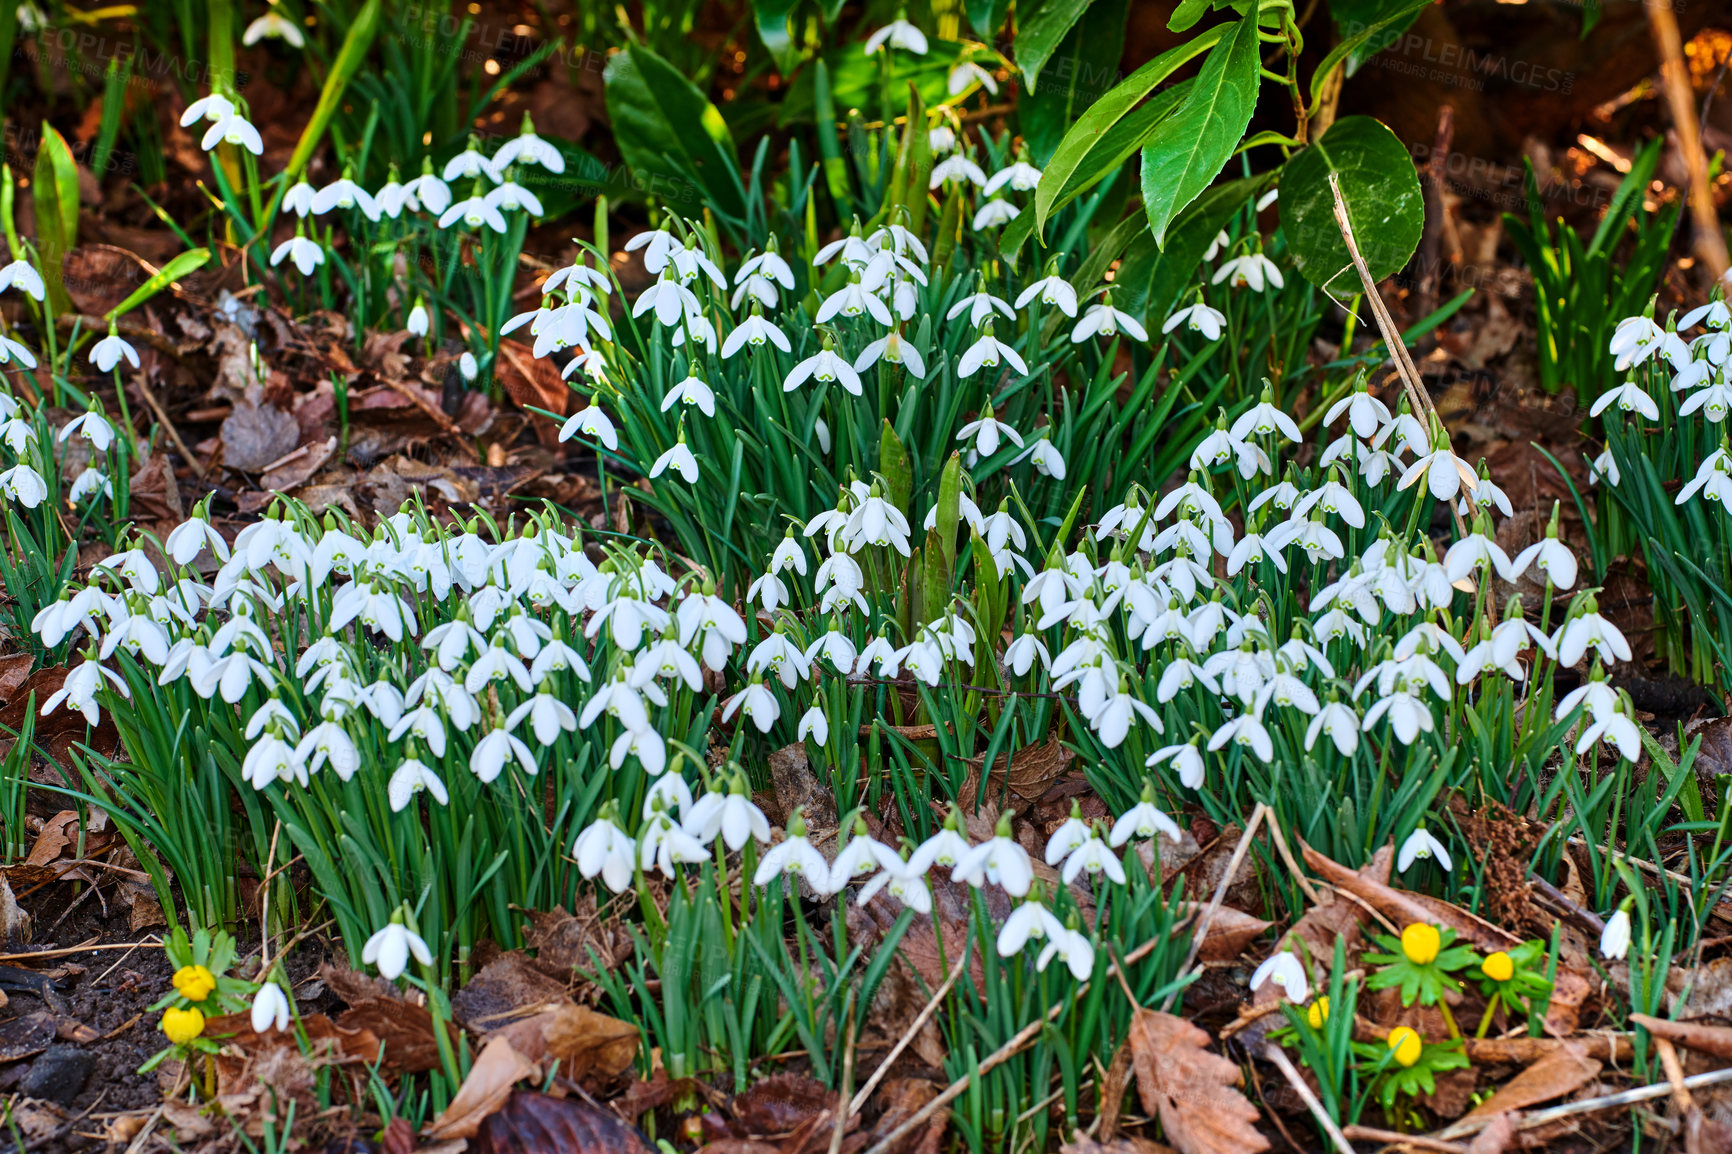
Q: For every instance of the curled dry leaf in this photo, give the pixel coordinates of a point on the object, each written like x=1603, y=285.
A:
x=1562, y=1071
x=531, y=1123
x=491, y=1079
x=1191, y=1089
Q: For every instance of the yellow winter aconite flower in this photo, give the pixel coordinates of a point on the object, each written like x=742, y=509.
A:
x=1420, y=942
x=1318, y=1012
x=1406, y=1043
x=195, y=983
x=182, y=1026
x=1499, y=967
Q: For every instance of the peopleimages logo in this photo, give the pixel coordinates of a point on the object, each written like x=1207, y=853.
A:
x=1447, y=62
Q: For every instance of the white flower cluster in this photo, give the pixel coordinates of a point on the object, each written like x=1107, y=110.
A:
x=1700, y=369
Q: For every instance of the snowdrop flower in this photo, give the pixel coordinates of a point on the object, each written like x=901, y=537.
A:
x=1615, y=938
x=275, y=26
x=986, y=430
x=941, y=139
x=92, y=426
x=427, y=191
x=1143, y=820
x=993, y=214
x=852, y=301
x=954, y=169
x=416, y=325
x=899, y=33
x=1630, y=398
x=665, y=844
x=1408, y=713
x=270, y=1005
x=1365, y=413
x=893, y=349
x=814, y=724
x=272, y=759
x=794, y=855
x=528, y=148
x=903, y=884
x=107, y=352
x=411, y=778
x=475, y=211
x=23, y=484
x=1186, y=760
x=511, y=197
x=999, y=860
x=1264, y=419
x=1420, y=844
x=1074, y=949
x=1030, y=921
x=678, y=457
x=390, y=948
x=467, y=164
x=1051, y=289
x=1551, y=556
x=1252, y=270
x=757, y=703
x=1247, y=732
x=1068, y=837
x=591, y=422
x=1093, y=857
x=1714, y=402
x=835, y=647
x=988, y=351
x=1477, y=550
x=733, y=815
x=1045, y=457
x=1713, y=478
x=1221, y=241
x=824, y=366
x=1340, y=722
x=304, y=252
x=943, y=850
x=1020, y=176
x=497, y=750
x=1112, y=724
x=344, y=193
x=78, y=691
x=1589, y=630
x=299, y=199
x=875, y=521
x=329, y=742
x=1285, y=971
x=603, y=848
x=233, y=129
x=1615, y=726
x=862, y=855
x=1102, y=319
x=968, y=73
x=755, y=331
x=22, y=276
x=212, y=107
x=1444, y=472
x=1634, y=341
x=11, y=350
x=1199, y=318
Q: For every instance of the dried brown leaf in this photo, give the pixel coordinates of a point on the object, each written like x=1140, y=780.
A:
x=1192, y=1089
x=507, y=987
x=1563, y=1071
x=256, y=436
x=531, y=1123
x=491, y=1079
x=1497, y=1137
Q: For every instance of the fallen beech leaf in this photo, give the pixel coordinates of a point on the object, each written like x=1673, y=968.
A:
x=531, y=1123
x=591, y=1048
x=404, y=1031
x=1123, y=1144
x=490, y=1082
x=1229, y=934
x=1495, y=1138
x=1563, y=1071
x=1403, y=908
x=1703, y=1135
x=255, y=436
x=1191, y=1089
x=780, y=1103
x=14, y=669
x=507, y=987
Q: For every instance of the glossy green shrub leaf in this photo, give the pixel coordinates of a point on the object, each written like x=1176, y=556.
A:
x=1381, y=191
x=669, y=134
x=1187, y=150
x=1083, y=69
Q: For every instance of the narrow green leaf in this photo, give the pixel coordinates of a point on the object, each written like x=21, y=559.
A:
x=949, y=511
x=1083, y=68
x=180, y=266
x=1187, y=149
x=56, y=191
x=894, y=467
x=349, y=59
x=1107, y=153
x=1357, y=29
x=935, y=576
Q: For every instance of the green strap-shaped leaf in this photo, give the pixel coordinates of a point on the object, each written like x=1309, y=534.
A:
x=667, y=130
x=987, y=15
x=56, y=191
x=187, y=262
x=1380, y=189
x=1187, y=149
x=894, y=467
x=1039, y=35
x=772, y=21
x=1098, y=145
x=349, y=59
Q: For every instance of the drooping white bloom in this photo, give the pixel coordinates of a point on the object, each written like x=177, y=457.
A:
x=1030, y=921
x=390, y=949
x=273, y=25
x=1630, y=398
x=1199, y=318
x=899, y=33
x=1285, y=971
x=305, y=252
x=1102, y=319
x=603, y=848
x=411, y=778
x=794, y=855
x=233, y=129
x=999, y=860
x=1615, y=938
x=106, y=353
x=527, y=148
x=20, y=274
x=1252, y=270
x=1421, y=844
x=270, y=1004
